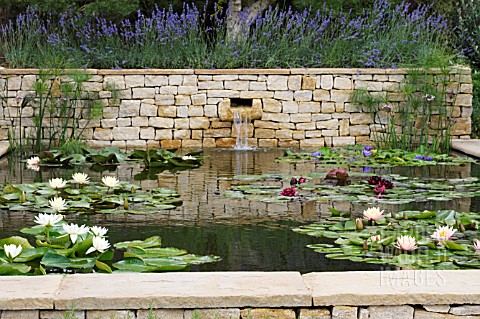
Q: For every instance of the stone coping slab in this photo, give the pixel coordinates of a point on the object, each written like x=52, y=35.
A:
x=394, y=287
x=182, y=290
x=22, y=292
x=469, y=147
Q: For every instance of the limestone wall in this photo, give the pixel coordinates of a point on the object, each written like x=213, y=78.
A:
x=194, y=108
x=405, y=294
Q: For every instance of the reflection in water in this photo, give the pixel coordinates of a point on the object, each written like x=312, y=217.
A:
x=248, y=235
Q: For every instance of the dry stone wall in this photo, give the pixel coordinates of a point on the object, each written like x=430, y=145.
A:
x=194, y=108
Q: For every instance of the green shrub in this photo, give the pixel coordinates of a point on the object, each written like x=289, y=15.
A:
x=476, y=104
x=467, y=28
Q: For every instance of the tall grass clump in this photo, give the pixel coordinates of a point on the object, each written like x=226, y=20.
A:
x=162, y=40
x=61, y=111
x=422, y=121
x=384, y=36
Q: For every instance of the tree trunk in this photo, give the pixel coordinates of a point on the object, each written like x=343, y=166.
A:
x=239, y=18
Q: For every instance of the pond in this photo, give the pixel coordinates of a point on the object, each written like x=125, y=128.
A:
x=247, y=235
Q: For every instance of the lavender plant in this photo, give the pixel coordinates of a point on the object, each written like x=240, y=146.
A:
x=385, y=36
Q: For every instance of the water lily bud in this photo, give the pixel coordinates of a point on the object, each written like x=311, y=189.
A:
x=405, y=216
x=365, y=245
x=359, y=224
x=125, y=203
x=461, y=227
x=24, y=197
x=132, y=190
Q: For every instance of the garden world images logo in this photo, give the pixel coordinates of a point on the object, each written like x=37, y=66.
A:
x=411, y=278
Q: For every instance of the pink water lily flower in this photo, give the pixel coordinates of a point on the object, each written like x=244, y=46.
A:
x=443, y=234
x=406, y=243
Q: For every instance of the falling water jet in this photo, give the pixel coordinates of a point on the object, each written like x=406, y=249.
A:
x=240, y=121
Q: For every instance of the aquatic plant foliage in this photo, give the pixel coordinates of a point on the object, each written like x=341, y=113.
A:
x=104, y=197
x=405, y=239
x=63, y=248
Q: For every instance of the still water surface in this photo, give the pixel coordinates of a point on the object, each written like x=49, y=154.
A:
x=247, y=235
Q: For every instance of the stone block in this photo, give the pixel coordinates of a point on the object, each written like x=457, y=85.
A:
x=283, y=134
x=105, y=94
x=363, y=313
x=14, y=83
x=309, y=107
x=125, y=133
x=109, y=314
x=357, y=130
x=187, y=90
x=283, y=95
x=160, y=313
x=173, y=90
x=277, y=83
x=365, y=77
x=218, y=132
x=164, y=99
x=309, y=82
x=298, y=135
x=328, y=107
x=265, y=124
x=463, y=100
x=267, y=143
x=342, y=83
x=147, y=133
x=57, y=314
x=396, y=78
x=391, y=87
x=360, y=118
x=108, y=123
x=225, y=77
x=19, y=314
x=114, y=82
x=199, y=123
x=199, y=99
x=466, y=310
x=226, y=313
x=255, y=94
x=175, y=79
x=312, y=142
x=133, y=144
x=343, y=140
x=163, y=134
x=210, y=110
x=272, y=106
x=92, y=87
x=129, y=108
x=160, y=122
x=209, y=142
x=321, y=117
x=171, y=144
x=156, y=80
x=182, y=111
x=148, y=109
x=289, y=143
x=210, y=85
x=28, y=81
x=464, y=88
x=344, y=312
x=167, y=111
x=341, y=95
x=422, y=314
x=192, y=143
x=466, y=111
x=224, y=93
x=289, y=107
x=391, y=312
x=189, y=80
x=182, y=134
x=182, y=100
x=264, y=133
x=326, y=82
x=332, y=124
x=248, y=77
x=195, y=110
x=237, y=85
x=344, y=129
x=306, y=126
x=132, y=81
x=182, y=124
x=259, y=313
x=257, y=86
x=437, y=308
x=225, y=142
x=368, y=85
x=301, y=118
x=103, y=134
x=380, y=77
x=294, y=82
x=124, y=94
x=303, y=95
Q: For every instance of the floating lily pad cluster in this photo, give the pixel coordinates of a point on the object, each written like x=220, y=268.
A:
x=364, y=156
x=408, y=239
x=114, y=156
x=269, y=187
x=66, y=248
x=82, y=196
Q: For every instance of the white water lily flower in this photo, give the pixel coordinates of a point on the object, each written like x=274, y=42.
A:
x=81, y=178
x=375, y=238
x=12, y=251
x=188, y=158
x=98, y=231
x=48, y=220
x=100, y=244
x=57, y=183
x=476, y=245
x=110, y=181
x=406, y=243
x=33, y=161
x=33, y=167
x=443, y=234
x=74, y=231
x=373, y=213
x=58, y=204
